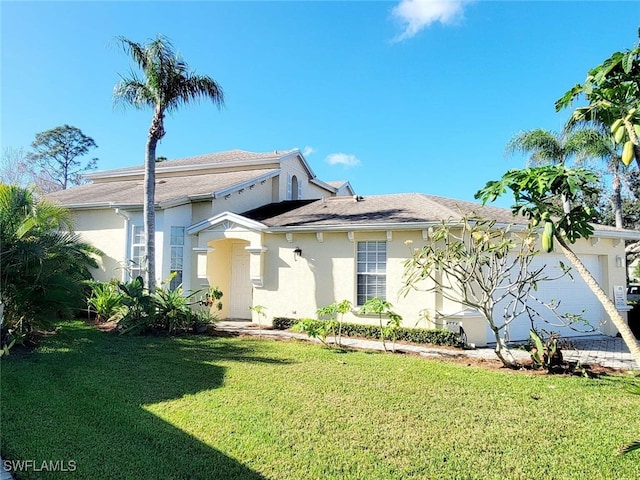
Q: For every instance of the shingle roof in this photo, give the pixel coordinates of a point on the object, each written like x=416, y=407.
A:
x=168, y=189
x=215, y=159
x=337, y=183
x=384, y=209
x=274, y=209
x=405, y=208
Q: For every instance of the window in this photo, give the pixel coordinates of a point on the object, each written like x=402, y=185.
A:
x=138, y=251
x=371, y=271
x=177, y=256
x=294, y=188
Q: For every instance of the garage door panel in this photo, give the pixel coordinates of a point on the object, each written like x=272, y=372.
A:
x=572, y=293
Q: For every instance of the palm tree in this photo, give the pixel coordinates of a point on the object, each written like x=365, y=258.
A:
x=166, y=83
x=42, y=263
x=550, y=148
x=601, y=144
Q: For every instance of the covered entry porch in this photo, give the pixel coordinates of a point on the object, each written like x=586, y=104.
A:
x=230, y=255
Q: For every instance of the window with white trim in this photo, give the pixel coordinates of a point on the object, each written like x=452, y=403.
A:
x=138, y=252
x=371, y=267
x=177, y=256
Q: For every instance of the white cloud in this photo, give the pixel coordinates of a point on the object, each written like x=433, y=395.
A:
x=306, y=151
x=342, y=159
x=418, y=14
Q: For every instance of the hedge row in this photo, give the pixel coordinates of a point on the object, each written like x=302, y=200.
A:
x=414, y=335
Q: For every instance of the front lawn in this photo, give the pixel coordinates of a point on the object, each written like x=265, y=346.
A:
x=245, y=408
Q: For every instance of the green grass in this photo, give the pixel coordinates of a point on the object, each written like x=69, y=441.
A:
x=238, y=408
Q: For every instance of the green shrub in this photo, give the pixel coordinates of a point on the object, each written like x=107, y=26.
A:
x=334, y=313
x=319, y=329
x=381, y=307
x=106, y=301
x=283, y=323
x=172, y=309
x=403, y=334
x=140, y=310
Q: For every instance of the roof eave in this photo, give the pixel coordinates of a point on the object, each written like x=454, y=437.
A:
x=324, y=185
x=184, y=168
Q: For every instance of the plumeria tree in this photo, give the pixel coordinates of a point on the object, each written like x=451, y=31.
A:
x=536, y=192
x=166, y=83
x=486, y=267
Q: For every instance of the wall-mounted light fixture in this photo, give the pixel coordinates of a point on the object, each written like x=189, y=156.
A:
x=297, y=253
x=618, y=261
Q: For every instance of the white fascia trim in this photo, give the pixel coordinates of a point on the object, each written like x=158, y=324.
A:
x=353, y=228
x=617, y=234
x=90, y=206
x=102, y=205
x=185, y=168
x=347, y=184
x=394, y=226
x=305, y=164
x=246, y=184
x=515, y=227
x=224, y=216
x=324, y=185
x=174, y=202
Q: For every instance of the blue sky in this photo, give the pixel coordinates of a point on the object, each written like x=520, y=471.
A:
x=394, y=96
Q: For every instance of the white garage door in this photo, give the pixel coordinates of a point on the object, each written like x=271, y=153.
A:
x=573, y=294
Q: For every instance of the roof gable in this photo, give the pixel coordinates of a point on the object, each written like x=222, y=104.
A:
x=225, y=221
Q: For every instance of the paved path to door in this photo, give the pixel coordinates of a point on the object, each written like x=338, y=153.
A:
x=606, y=351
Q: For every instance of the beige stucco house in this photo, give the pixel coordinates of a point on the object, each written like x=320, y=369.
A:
x=265, y=230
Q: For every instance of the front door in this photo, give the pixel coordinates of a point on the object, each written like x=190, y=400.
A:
x=241, y=287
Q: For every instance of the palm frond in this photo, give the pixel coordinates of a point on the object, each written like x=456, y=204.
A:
x=544, y=146
x=629, y=448
x=133, y=92
x=166, y=81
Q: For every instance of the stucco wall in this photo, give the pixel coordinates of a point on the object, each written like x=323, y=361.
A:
x=104, y=230
x=326, y=272
x=239, y=202
x=201, y=211
x=292, y=166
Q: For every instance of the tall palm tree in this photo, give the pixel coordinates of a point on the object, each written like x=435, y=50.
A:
x=166, y=83
x=601, y=145
x=550, y=148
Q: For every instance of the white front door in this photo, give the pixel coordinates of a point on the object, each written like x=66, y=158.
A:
x=241, y=287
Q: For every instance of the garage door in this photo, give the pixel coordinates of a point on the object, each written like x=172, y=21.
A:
x=573, y=294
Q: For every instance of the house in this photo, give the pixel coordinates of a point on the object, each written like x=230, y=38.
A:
x=265, y=230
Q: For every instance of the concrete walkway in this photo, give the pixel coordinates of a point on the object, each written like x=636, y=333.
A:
x=605, y=351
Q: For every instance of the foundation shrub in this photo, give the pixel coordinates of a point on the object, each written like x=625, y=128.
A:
x=404, y=334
